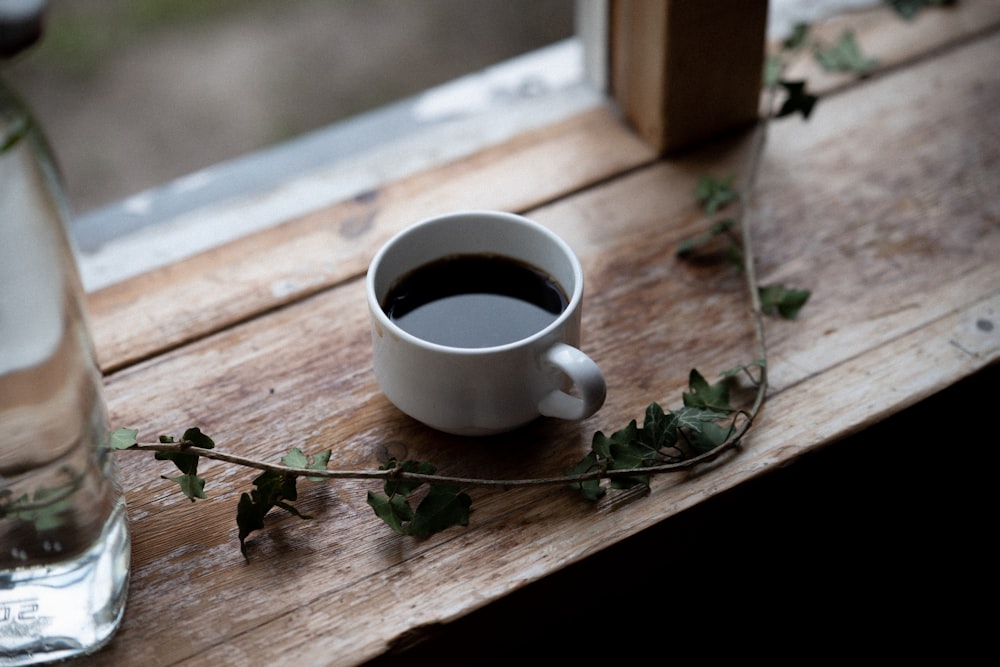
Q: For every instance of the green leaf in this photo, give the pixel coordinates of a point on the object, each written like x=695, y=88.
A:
x=600, y=444
x=709, y=435
x=249, y=517
x=774, y=66
x=319, y=462
x=693, y=419
x=198, y=439
x=186, y=463
x=295, y=459
x=51, y=515
x=629, y=450
x=708, y=396
x=781, y=300
x=714, y=193
x=659, y=430
x=192, y=485
x=797, y=38
x=274, y=486
x=48, y=509
x=394, y=512
x=798, y=99
x=591, y=488
x=273, y=489
x=443, y=507
x=123, y=438
x=845, y=56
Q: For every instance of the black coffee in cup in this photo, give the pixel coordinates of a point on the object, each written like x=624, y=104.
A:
x=474, y=301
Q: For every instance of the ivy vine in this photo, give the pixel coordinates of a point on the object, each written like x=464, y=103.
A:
x=415, y=500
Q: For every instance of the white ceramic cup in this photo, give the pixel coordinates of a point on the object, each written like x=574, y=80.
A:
x=483, y=390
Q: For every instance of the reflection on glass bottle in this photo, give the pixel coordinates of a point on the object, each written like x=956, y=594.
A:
x=64, y=540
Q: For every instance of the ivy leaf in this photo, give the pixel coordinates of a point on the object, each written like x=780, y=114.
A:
x=797, y=38
x=443, y=507
x=296, y=458
x=659, y=440
x=627, y=450
x=714, y=193
x=123, y=438
x=709, y=435
x=249, y=517
x=319, y=462
x=273, y=489
x=195, y=437
x=707, y=396
x=774, y=65
x=186, y=463
x=845, y=56
x=693, y=419
x=798, y=99
x=192, y=485
x=394, y=510
x=785, y=301
x=48, y=508
x=659, y=430
x=591, y=488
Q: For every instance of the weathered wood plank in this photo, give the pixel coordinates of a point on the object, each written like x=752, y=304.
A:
x=167, y=307
x=888, y=218
x=183, y=301
x=882, y=34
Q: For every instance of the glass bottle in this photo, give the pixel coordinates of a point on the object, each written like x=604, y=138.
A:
x=64, y=539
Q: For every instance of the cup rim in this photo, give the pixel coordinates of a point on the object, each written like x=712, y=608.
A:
x=388, y=326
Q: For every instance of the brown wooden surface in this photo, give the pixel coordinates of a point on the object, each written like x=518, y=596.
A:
x=683, y=71
x=883, y=204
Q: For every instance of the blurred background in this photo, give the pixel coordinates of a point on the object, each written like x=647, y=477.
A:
x=134, y=93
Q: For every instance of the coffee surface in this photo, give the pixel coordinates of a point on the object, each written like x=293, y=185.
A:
x=473, y=301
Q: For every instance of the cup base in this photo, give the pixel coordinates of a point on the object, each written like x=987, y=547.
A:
x=67, y=609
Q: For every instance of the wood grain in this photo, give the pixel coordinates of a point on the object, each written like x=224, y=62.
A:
x=683, y=72
x=881, y=34
x=882, y=205
x=186, y=300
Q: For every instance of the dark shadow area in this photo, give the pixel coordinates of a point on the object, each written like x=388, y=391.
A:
x=878, y=545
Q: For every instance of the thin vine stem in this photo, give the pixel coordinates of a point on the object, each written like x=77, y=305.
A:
x=748, y=209
x=749, y=415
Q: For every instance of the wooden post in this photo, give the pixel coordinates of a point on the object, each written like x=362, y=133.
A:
x=683, y=71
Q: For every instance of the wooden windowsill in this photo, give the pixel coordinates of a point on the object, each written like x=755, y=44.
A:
x=882, y=204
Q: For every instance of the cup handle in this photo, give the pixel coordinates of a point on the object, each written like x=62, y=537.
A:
x=586, y=378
